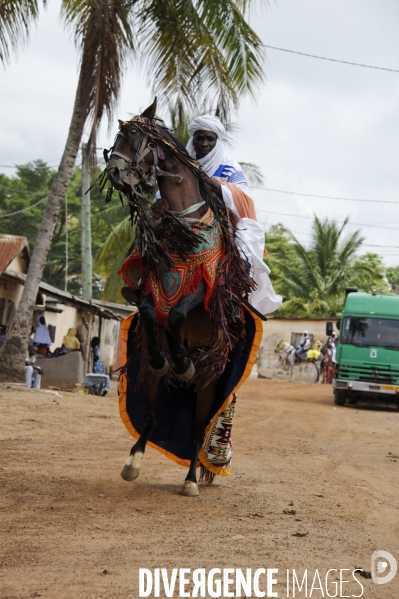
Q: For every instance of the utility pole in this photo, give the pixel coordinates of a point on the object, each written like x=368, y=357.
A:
x=85, y=229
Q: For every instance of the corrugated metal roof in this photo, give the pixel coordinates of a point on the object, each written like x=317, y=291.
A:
x=10, y=246
x=64, y=297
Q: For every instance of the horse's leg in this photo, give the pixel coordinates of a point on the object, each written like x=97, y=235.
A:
x=183, y=366
x=156, y=358
x=292, y=364
x=205, y=397
x=131, y=469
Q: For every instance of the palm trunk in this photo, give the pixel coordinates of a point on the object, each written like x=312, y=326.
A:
x=13, y=351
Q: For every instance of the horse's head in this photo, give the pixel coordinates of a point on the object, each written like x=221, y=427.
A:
x=134, y=153
x=279, y=346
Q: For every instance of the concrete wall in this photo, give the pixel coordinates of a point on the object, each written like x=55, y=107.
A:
x=63, y=372
x=277, y=329
x=72, y=317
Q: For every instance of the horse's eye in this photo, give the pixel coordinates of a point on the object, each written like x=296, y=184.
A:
x=133, y=131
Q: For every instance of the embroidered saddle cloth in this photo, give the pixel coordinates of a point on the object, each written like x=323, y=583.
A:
x=187, y=273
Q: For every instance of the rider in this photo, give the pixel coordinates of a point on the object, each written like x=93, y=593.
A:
x=304, y=345
x=228, y=181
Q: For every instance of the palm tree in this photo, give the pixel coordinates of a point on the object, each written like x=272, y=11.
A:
x=189, y=50
x=314, y=282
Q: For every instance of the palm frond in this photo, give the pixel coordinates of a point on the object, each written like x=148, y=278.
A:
x=111, y=257
x=253, y=173
x=16, y=17
x=199, y=48
x=103, y=32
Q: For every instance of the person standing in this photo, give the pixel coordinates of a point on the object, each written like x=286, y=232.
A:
x=98, y=367
x=42, y=336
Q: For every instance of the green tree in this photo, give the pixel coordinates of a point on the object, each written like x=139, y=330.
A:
x=25, y=194
x=190, y=50
x=392, y=275
x=31, y=184
x=314, y=279
x=379, y=281
x=280, y=250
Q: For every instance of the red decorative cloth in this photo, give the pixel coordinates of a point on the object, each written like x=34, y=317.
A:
x=187, y=273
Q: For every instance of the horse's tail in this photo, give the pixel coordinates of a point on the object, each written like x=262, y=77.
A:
x=206, y=476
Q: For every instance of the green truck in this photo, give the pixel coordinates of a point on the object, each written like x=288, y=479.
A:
x=367, y=354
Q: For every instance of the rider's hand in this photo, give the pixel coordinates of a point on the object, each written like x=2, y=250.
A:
x=215, y=186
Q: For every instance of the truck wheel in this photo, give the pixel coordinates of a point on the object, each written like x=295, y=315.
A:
x=339, y=398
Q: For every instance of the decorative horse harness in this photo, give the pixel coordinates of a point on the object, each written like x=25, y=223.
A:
x=135, y=174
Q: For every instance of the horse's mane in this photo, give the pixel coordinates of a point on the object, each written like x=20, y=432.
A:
x=174, y=139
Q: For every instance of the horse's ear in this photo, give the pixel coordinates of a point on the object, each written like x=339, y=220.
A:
x=149, y=112
x=120, y=122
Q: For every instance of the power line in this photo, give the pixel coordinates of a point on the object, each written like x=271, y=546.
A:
x=340, y=223
x=354, y=64
x=311, y=218
x=311, y=195
x=373, y=245
x=23, y=209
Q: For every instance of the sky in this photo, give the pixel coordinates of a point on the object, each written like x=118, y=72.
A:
x=316, y=127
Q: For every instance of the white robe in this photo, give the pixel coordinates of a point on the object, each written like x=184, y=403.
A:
x=250, y=240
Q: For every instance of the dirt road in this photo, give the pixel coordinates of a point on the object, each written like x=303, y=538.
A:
x=72, y=528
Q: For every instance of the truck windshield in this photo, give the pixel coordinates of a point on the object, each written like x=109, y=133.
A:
x=370, y=332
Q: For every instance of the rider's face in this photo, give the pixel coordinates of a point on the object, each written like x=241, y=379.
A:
x=204, y=142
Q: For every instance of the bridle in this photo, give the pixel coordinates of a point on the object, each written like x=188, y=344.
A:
x=135, y=176
x=281, y=348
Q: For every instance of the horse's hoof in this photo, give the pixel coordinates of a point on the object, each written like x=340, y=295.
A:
x=188, y=375
x=160, y=371
x=190, y=489
x=131, y=469
x=130, y=473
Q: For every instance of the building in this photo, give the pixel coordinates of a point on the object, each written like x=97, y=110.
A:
x=61, y=309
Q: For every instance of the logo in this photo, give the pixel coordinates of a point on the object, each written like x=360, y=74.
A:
x=382, y=561
x=373, y=353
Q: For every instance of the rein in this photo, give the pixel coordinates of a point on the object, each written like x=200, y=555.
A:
x=135, y=175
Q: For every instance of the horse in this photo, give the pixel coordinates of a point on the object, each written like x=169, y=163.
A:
x=288, y=357
x=189, y=340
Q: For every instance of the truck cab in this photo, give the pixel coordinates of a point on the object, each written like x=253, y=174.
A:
x=367, y=354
